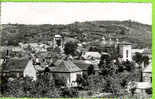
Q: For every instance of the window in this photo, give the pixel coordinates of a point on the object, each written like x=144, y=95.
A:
x=127, y=53
x=58, y=42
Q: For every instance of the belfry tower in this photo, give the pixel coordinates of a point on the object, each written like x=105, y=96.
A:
x=58, y=41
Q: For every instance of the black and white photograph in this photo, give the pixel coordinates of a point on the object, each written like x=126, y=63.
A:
x=71, y=50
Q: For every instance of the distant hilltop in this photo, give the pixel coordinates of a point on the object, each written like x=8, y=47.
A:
x=131, y=31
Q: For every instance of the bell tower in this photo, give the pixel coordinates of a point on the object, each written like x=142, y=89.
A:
x=125, y=50
x=58, y=41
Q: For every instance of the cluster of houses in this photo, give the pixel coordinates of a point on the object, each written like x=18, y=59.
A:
x=67, y=68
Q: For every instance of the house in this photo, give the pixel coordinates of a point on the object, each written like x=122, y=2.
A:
x=147, y=73
x=66, y=70
x=33, y=45
x=17, y=49
x=83, y=65
x=22, y=45
x=148, y=52
x=91, y=55
x=14, y=67
x=19, y=68
x=30, y=71
x=4, y=48
x=11, y=48
x=1, y=61
x=146, y=84
x=141, y=87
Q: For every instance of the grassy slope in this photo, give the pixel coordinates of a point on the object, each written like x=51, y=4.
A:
x=132, y=31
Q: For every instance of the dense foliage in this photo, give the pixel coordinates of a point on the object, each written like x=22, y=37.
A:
x=70, y=48
x=26, y=87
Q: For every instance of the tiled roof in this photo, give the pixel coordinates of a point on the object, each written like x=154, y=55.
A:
x=148, y=69
x=147, y=51
x=83, y=65
x=65, y=66
x=91, y=54
x=125, y=43
x=58, y=62
x=15, y=65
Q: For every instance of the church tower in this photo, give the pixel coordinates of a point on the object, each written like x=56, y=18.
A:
x=125, y=50
x=58, y=41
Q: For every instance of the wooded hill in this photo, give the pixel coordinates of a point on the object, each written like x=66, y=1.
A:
x=134, y=32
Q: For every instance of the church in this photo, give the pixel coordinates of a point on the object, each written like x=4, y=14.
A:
x=122, y=48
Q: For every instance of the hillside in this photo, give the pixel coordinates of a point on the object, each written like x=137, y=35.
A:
x=134, y=32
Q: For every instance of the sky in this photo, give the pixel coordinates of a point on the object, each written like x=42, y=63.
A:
x=66, y=13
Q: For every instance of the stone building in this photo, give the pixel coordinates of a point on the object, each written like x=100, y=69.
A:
x=67, y=70
x=125, y=50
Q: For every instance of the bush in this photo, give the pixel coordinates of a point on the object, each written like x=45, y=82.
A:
x=70, y=48
x=148, y=91
x=89, y=93
x=69, y=92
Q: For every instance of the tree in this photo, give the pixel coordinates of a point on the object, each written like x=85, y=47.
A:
x=79, y=80
x=96, y=83
x=113, y=84
x=82, y=80
x=69, y=92
x=59, y=81
x=138, y=58
x=107, y=66
x=3, y=83
x=70, y=48
x=57, y=50
x=26, y=87
x=91, y=70
x=111, y=75
x=146, y=60
x=92, y=48
x=129, y=66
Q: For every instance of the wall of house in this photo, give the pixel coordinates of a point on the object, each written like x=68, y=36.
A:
x=147, y=77
x=73, y=77
x=62, y=76
x=30, y=71
x=70, y=78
